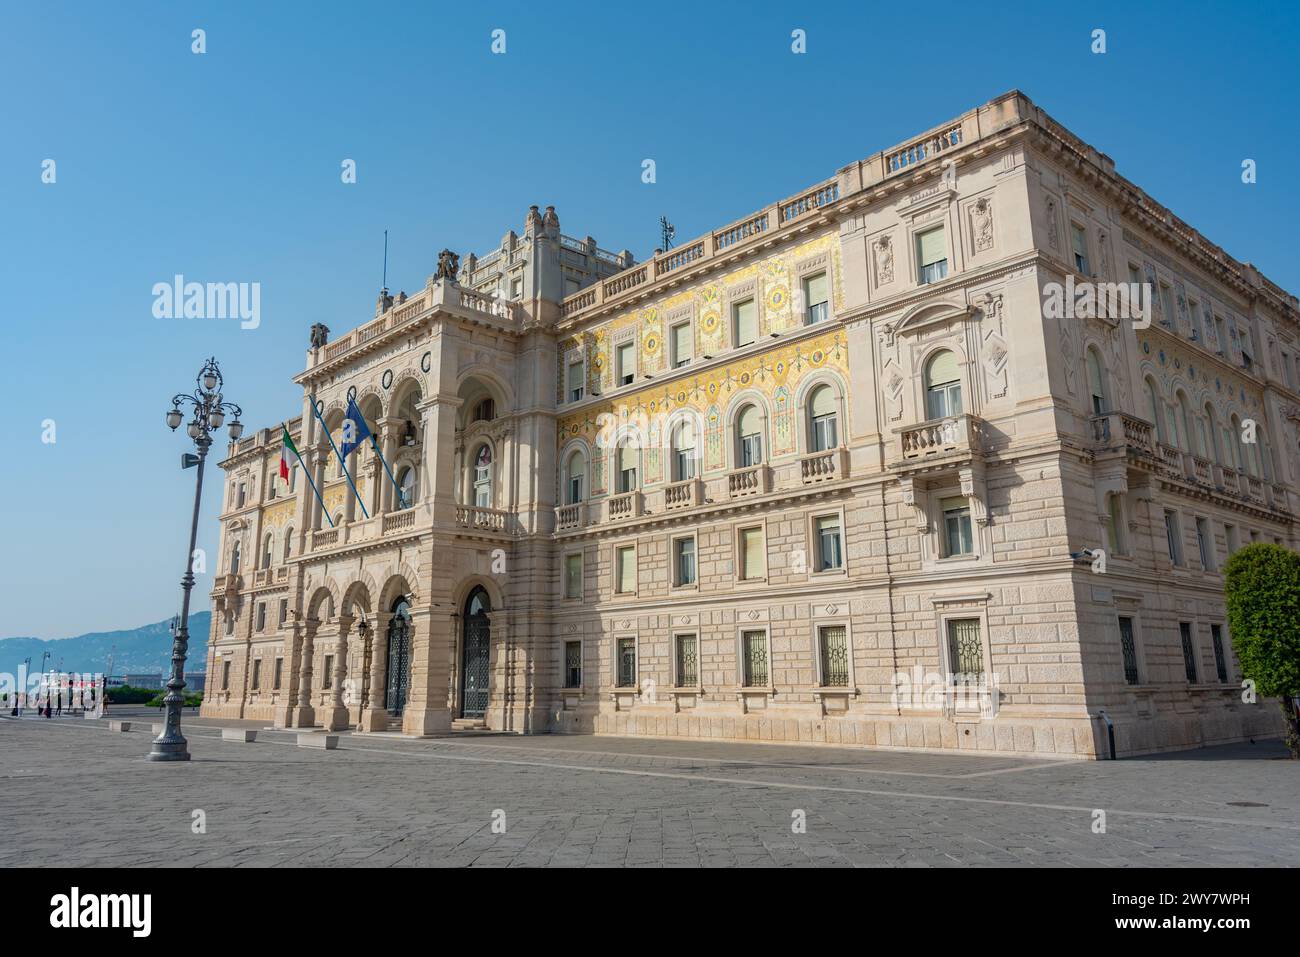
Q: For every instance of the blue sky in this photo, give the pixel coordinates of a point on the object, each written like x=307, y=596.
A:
x=225, y=167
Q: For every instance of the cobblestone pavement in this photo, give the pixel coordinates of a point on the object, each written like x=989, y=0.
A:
x=75, y=793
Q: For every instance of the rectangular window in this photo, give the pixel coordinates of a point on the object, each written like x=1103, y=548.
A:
x=625, y=570
x=1080, y=240
x=965, y=649
x=1230, y=535
x=1173, y=537
x=830, y=551
x=754, y=645
x=516, y=288
x=575, y=381
x=1167, y=300
x=744, y=318
x=1205, y=544
x=1288, y=370
x=957, y=537
x=284, y=611
x=833, y=647
x=261, y=615
x=573, y=664
x=1189, y=652
x=573, y=575
x=257, y=674
x=225, y=675
x=684, y=561
x=1220, y=659
x=1116, y=529
x=816, y=293
x=277, y=674
x=1129, y=649
x=753, y=554
x=626, y=363
x=931, y=255
x=682, y=344
x=688, y=671
x=1221, y=335
x=627, y=662
x=243, y=492
x=1134, y=275
x=327, y=673
x=1194, y=310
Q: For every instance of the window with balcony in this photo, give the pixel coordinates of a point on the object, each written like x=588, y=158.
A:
x=625, y=570
x=816, y=294
x=931, y=255
x=1205, y=544
x=1187, y=437
x=744, y=323
x=965, y=649
x=1173, y=537
x=683, y=451
x=830, y=543
x=234, y=559
x=574, y=381
x=1097, y=383
x=1128, y=649
x=942, y=386
x=626, y=467
x=288, y=543
x=575, y=482
x=268, y=546
x=573, y=575
x=753, y=554
x=626, y=663
x=686, y=657
x=243, y=494
x=681, y=345
x=825, y=419
x=408, y=485
x=1155, y=404
x=1079, y=240
x=625, y=363
x=957, y=538
x=749, y=436
x=1212, y=445
x=755, y=657
x=573, y=664
x=484, y=411
x=833, y=655
x=483, y=477
x=684, y=562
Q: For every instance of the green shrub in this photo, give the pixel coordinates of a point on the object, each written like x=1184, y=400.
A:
x=1262, y=591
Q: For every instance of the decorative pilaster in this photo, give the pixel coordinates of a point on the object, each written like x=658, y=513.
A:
x=337, y=719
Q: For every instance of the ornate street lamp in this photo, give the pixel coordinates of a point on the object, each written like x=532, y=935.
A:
x=209, y=413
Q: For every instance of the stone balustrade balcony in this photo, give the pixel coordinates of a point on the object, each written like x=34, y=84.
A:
x=481, y=519
x=624, y=506
x=829, y=466
x=754, y=480
x=568, y=517
x=685, y=494
x=955, y=437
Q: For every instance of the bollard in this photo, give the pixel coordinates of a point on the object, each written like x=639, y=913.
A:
x=327, y=741
x=238, y=734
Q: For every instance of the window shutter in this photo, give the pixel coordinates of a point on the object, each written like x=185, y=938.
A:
x=747, y=424
x=746, y=322
x=930, y=246
x=682, y=342
x=817, y=289
x=942, y=368
x=823, y=402
x=626, y=569
x=626, y=359
x=755, y=558
x=626, y=458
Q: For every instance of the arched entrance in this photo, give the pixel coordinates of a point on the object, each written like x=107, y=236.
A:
x=475, y=646
x=399, y=658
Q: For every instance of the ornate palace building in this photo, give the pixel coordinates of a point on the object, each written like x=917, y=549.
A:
x=785, y=481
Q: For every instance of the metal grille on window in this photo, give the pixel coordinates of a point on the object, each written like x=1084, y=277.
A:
x=687, y=673
x=835, y=657
x=1129, y=648
x=626, y=663
x=573, y=664
x=755, y=659
x=1220, y=662
x=965, y=651
x=1189, y=653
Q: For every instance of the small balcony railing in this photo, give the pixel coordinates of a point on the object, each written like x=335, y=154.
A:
x=481, y=519
x=624, y=506
x=324, y=538
x=1113, y=427
x=399, y=521
x=754, y=480
x=828, y=466
x=958, y=433
x=571, y=516
x=686, y=494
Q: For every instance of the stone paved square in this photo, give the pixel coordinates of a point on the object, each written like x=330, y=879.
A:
x=578, y=801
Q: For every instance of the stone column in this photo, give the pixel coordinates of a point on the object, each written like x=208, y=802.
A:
x=318, y=469
x=304, y=715
x=284, y=709
x=426, y=707
x=375, y=716
x=390, y=428
x=337, y=718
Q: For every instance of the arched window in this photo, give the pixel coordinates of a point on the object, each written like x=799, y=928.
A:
x=626, y=466
x=942, y=386
x=824, y=424
x=1097, y=383
x=749, y=437
x=267, y=550
x=1185, y=425
x=484, y=411
x=575, y=477
x=1213, y=446
x=1153, y=401
x=234, y=559
x=1238, y=456
x=683, y=451
x=408, y=482
x=288, y=543
x=483, y=477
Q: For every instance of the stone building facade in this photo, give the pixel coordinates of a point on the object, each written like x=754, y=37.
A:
x=842, y=471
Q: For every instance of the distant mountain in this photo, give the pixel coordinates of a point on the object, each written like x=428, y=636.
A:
x=145, y=650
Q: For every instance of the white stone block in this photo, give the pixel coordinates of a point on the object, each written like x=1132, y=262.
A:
x=311, y=740
x=119, y=726
x=238, y=734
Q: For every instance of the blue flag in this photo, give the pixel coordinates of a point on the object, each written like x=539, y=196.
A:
x=355, y=430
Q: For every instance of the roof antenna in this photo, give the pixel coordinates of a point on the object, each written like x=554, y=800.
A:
x=385, y=285
x=667, y=233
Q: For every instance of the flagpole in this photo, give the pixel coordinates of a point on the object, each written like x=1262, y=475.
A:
x=375, y=445
x=307, y=474
x=342, y=464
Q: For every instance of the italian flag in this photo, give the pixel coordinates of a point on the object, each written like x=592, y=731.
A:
x=287, y=448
